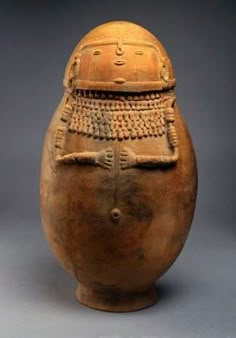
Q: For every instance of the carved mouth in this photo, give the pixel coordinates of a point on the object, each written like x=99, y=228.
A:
x=119, y=62
x=119, y=80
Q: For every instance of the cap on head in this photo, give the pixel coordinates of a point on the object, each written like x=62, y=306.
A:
x=119, y=56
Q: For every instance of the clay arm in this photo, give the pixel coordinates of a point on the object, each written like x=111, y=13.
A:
x=129, y=159
x=103, y=158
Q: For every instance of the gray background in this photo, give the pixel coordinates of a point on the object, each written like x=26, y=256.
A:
x=197, y=297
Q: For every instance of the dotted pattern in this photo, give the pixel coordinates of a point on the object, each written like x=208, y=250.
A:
x=119, y=118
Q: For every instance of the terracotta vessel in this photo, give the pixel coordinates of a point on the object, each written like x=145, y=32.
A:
x=118, y=178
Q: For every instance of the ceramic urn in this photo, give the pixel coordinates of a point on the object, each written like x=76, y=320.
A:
x=118, y=177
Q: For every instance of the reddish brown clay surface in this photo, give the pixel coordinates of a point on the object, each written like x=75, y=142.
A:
x=118, y=178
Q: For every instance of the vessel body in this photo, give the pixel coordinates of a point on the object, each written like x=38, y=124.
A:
x=118, y=189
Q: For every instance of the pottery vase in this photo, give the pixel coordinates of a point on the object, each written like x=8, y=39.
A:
x=118, y=177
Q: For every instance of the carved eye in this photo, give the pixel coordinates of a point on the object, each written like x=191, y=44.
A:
x=139, y=52
x=97, y=52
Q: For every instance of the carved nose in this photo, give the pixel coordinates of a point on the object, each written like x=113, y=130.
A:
x=119, y=50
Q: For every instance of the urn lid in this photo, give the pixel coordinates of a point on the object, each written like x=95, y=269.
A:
x=119, y=56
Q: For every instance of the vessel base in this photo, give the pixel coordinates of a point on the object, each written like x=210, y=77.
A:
x=115, y=300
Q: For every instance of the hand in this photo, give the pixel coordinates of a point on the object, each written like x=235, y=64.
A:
x=104, y=158
x=127, y=158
